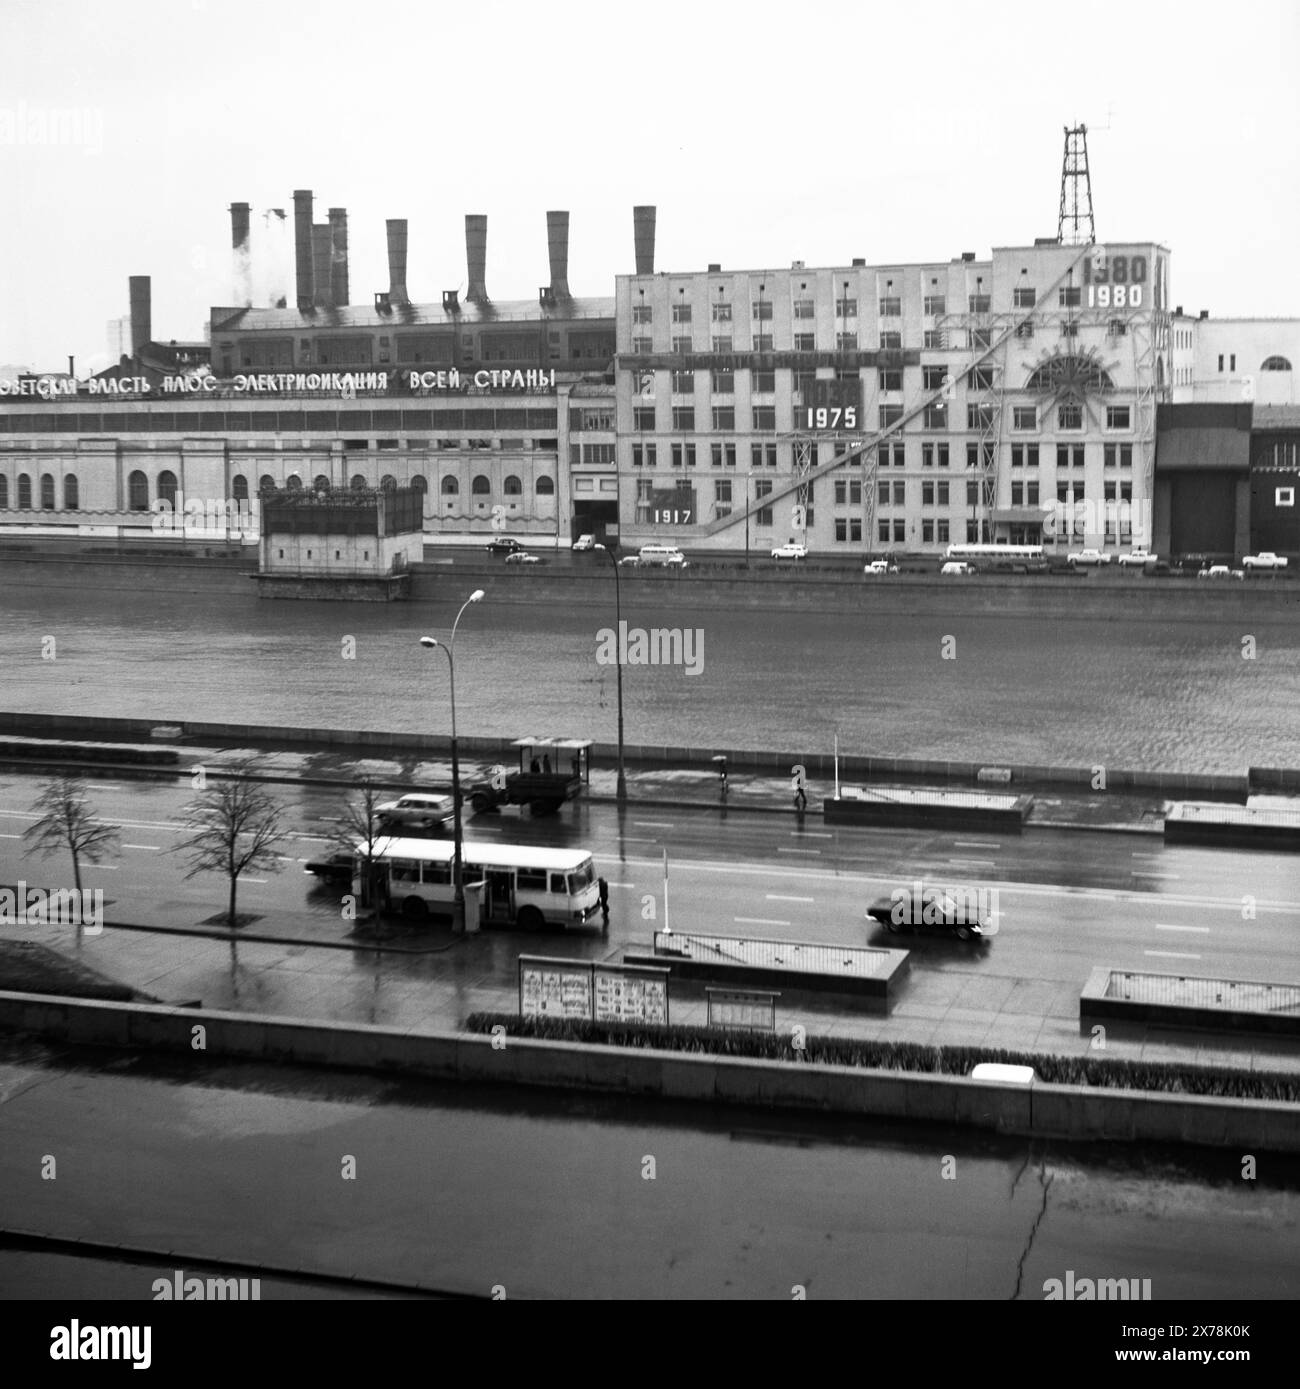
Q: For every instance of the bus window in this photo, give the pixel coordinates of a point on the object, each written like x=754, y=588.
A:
x=557, y=883
x=437, y=872
x=531, y=880
x=582, y=878
x=405, y=870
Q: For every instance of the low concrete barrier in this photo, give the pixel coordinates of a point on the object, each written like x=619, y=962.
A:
x=1146, y=999
x=1047, y=1110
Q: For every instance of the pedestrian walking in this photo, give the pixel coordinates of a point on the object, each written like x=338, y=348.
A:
x=603, y=888
x=800, y=800
x=546, y=763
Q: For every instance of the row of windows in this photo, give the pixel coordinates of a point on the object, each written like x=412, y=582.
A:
x=23, y=492
x=274, y=421
x=1069, y=416
x=890, y=306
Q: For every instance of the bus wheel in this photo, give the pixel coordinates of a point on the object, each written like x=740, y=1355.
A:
x=530, y=919
x=415, y=907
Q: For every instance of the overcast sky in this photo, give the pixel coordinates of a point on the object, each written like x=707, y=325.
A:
x=764, y=133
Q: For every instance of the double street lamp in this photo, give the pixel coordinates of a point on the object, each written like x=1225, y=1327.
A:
x=458, y=878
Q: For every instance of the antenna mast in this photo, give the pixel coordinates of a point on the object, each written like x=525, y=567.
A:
x=1075, y=225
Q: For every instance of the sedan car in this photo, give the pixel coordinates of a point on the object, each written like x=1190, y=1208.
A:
x=332, y=868
x=1087, y=557
x=969, y=914
x=792, y=550
x=503, y=545
x=1216, y=571
x=1266, y=559
x=630, y=560
x=880, y=566
x=523, y=557
x=1141, y=558
x=957, y=566
x=417, y=810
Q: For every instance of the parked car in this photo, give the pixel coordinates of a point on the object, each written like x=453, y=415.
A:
x=665, y=555
x=1138, y=557
x=332, y=868
x=791, y=550
x=420, y=810
x=1216, y=571
x=523, y=557
x=586, y=542
x=1266, y=559
x=967, y=914
x=1087, y=557
x=503, y=545
x=880, y=566
x=631, y=560
x=957, y=566
x=1160, y=570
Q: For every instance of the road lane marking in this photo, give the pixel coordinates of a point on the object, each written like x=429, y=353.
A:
x=653, y=824
x=638, y=839
x=1150, y=873
x=779, y=897
x=811, y=834
x=254, y=880
x=622, y=884
x=758, y=921
x=1200, y=930
x=1171, y=955
x=973, y=844
x=798, y=851
x=972, y=863
x=157, y=848
x=10, y=836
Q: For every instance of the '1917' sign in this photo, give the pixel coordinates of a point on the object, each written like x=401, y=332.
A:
x=672, y=507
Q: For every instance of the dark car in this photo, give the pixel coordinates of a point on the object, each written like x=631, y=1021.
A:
x=503, y=545
x=969, y=914
x=334, y=868
x=1160, y=570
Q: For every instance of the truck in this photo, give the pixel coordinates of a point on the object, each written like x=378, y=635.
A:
x=551, y=771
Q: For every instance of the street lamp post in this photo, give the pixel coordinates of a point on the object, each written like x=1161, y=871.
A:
x=458, y=876
x=621, y=790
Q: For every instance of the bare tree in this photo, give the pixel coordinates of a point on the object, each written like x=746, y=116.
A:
x=234, y=826
x=361, y=834
x=68, y=822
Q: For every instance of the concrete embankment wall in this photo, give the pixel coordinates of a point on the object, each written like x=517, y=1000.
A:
x=1037, y=1110
x=818, y=764
x=588, y=582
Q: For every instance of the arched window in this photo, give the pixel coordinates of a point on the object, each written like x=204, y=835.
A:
x=293, y=483
x=451, y=486
x=24, y=492
x=239, y=487
x=420, y=483
x=481, y=487
x=1275, y=364
x=47, y=492
x=71, y=493
x=266, y=484
x=321, y=484
x=388, y=482
x=4, y=493
x=513, y=487
x=358, y=482
x=1078, y=373
x=167, y=488
x=545, y=486
x=137, y=492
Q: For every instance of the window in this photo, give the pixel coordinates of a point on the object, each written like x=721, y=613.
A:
x=973, y=492
x=690, y=457
x=891, y=306
x=1024, y=330
x=1024, y=455
x=899, y=452
x=1069, y=454
x=137, y=490
x=1031, y=493
x=882, y=492
x=481, y=487
x=4, y=493
x=1023, y=297
x=764, y=416
x=643, y=455
x=419, y=483
x=980, y=338
x=642, y=313
x=1069, y=330
x=71, y=493
x=1117, y=455
x=716, y=453
x=974, y=451
x=891, y=380
x=849, y=528
x=1069, y=416
x=891, y=342
x=1283, y=496
x=1117, y=328
x=722, y=345
x=681, y=345
x=721, y=312
x=512, y=486
x=934, y=304
x=882, y=532
x=1117, y=417
x=846, y=308
x=936, y=417
x=450, y=486
x=934, y=340
x=927, y=493
x=979, y=417
x=239, y=487
x=979, y=303
x=1024, y=417
x=890, y=414
x=723, y=382
x=642, y=347
x=683, y=383
x=1232, y=362
x=763, y=382
x=684, y=417
x=942, y=491
x=1275, y=364
x=389, y=483
x=980, y=378
x=927, y=531
x=933, y=377
x=681, y=312
x=805, y=342
x=900, y=494
x=762, y=342
x=724, y=417
x=763, y=488
x=761, y=311
x=1017, y=493
x=1068, y=296
x=643, y=418
x=167, y=487
x=722, y=489
x=848, y=492
x=941, y=530
x=47, y=491
x=803, y=308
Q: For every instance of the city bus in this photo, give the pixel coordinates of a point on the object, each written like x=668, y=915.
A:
x=522, y=885
x=995, y=558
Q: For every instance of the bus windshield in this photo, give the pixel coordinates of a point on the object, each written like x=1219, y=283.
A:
x=581, y=878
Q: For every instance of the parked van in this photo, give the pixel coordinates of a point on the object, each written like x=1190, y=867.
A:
x=662, y=554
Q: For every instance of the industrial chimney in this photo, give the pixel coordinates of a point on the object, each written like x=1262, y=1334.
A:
x=557, y=236
x=397, y=261
x=239, y=219
x=302, y=248
x=643, y=236
x=339, y=256
x=322, y=296
x=141, y=314
x=476, y=255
